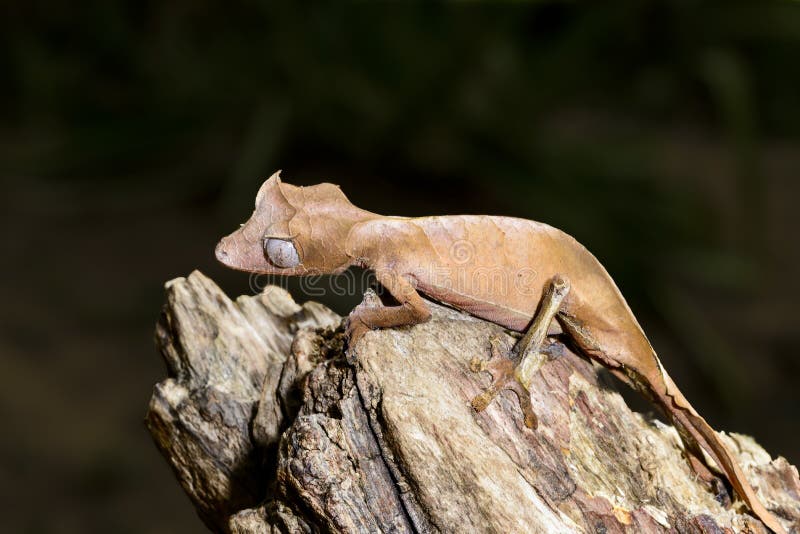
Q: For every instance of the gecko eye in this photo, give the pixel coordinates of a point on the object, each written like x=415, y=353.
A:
x=281, y=253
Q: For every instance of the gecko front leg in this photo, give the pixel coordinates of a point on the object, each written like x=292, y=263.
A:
x=411, y=309
x=517, y=377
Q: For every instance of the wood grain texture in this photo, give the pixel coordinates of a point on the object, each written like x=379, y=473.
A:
x=270, y=429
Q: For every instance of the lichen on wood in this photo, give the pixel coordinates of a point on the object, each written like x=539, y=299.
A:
x=272, y=425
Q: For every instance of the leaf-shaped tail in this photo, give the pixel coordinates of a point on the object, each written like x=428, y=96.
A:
x=694, y=428
x=647, y=375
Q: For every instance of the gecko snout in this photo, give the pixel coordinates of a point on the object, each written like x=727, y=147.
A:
x=221, y=253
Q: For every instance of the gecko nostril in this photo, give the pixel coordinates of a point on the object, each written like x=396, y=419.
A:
x=221, y=253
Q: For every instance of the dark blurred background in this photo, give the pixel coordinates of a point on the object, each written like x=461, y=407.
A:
x=663, y=136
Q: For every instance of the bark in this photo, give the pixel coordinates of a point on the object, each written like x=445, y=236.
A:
x=270, y=425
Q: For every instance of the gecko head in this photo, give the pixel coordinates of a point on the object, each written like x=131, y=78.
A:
x=293, y=231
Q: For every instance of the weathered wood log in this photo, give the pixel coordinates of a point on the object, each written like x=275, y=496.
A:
x=271, y=427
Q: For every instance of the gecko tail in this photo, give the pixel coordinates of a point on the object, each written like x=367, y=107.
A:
x=659, y=387
x=693, y=427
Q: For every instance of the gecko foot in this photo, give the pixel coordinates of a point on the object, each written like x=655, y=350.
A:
x=354, y=329
x=506, y=374
x=712, y=482
x=503, y=377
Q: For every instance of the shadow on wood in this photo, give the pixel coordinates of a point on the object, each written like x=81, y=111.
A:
x=267, y=426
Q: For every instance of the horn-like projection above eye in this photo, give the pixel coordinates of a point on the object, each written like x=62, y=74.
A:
x=281, y=253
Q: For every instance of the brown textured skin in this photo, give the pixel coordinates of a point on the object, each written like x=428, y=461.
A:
x=491, y=267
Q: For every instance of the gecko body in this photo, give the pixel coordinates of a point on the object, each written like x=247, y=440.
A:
x=495, y=268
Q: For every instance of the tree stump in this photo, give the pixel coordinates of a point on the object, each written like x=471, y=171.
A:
x=271, y=426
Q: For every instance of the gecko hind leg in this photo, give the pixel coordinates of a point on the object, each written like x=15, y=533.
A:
x=517, y=377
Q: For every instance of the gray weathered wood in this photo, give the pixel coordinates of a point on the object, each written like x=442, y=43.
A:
x=270, y=429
